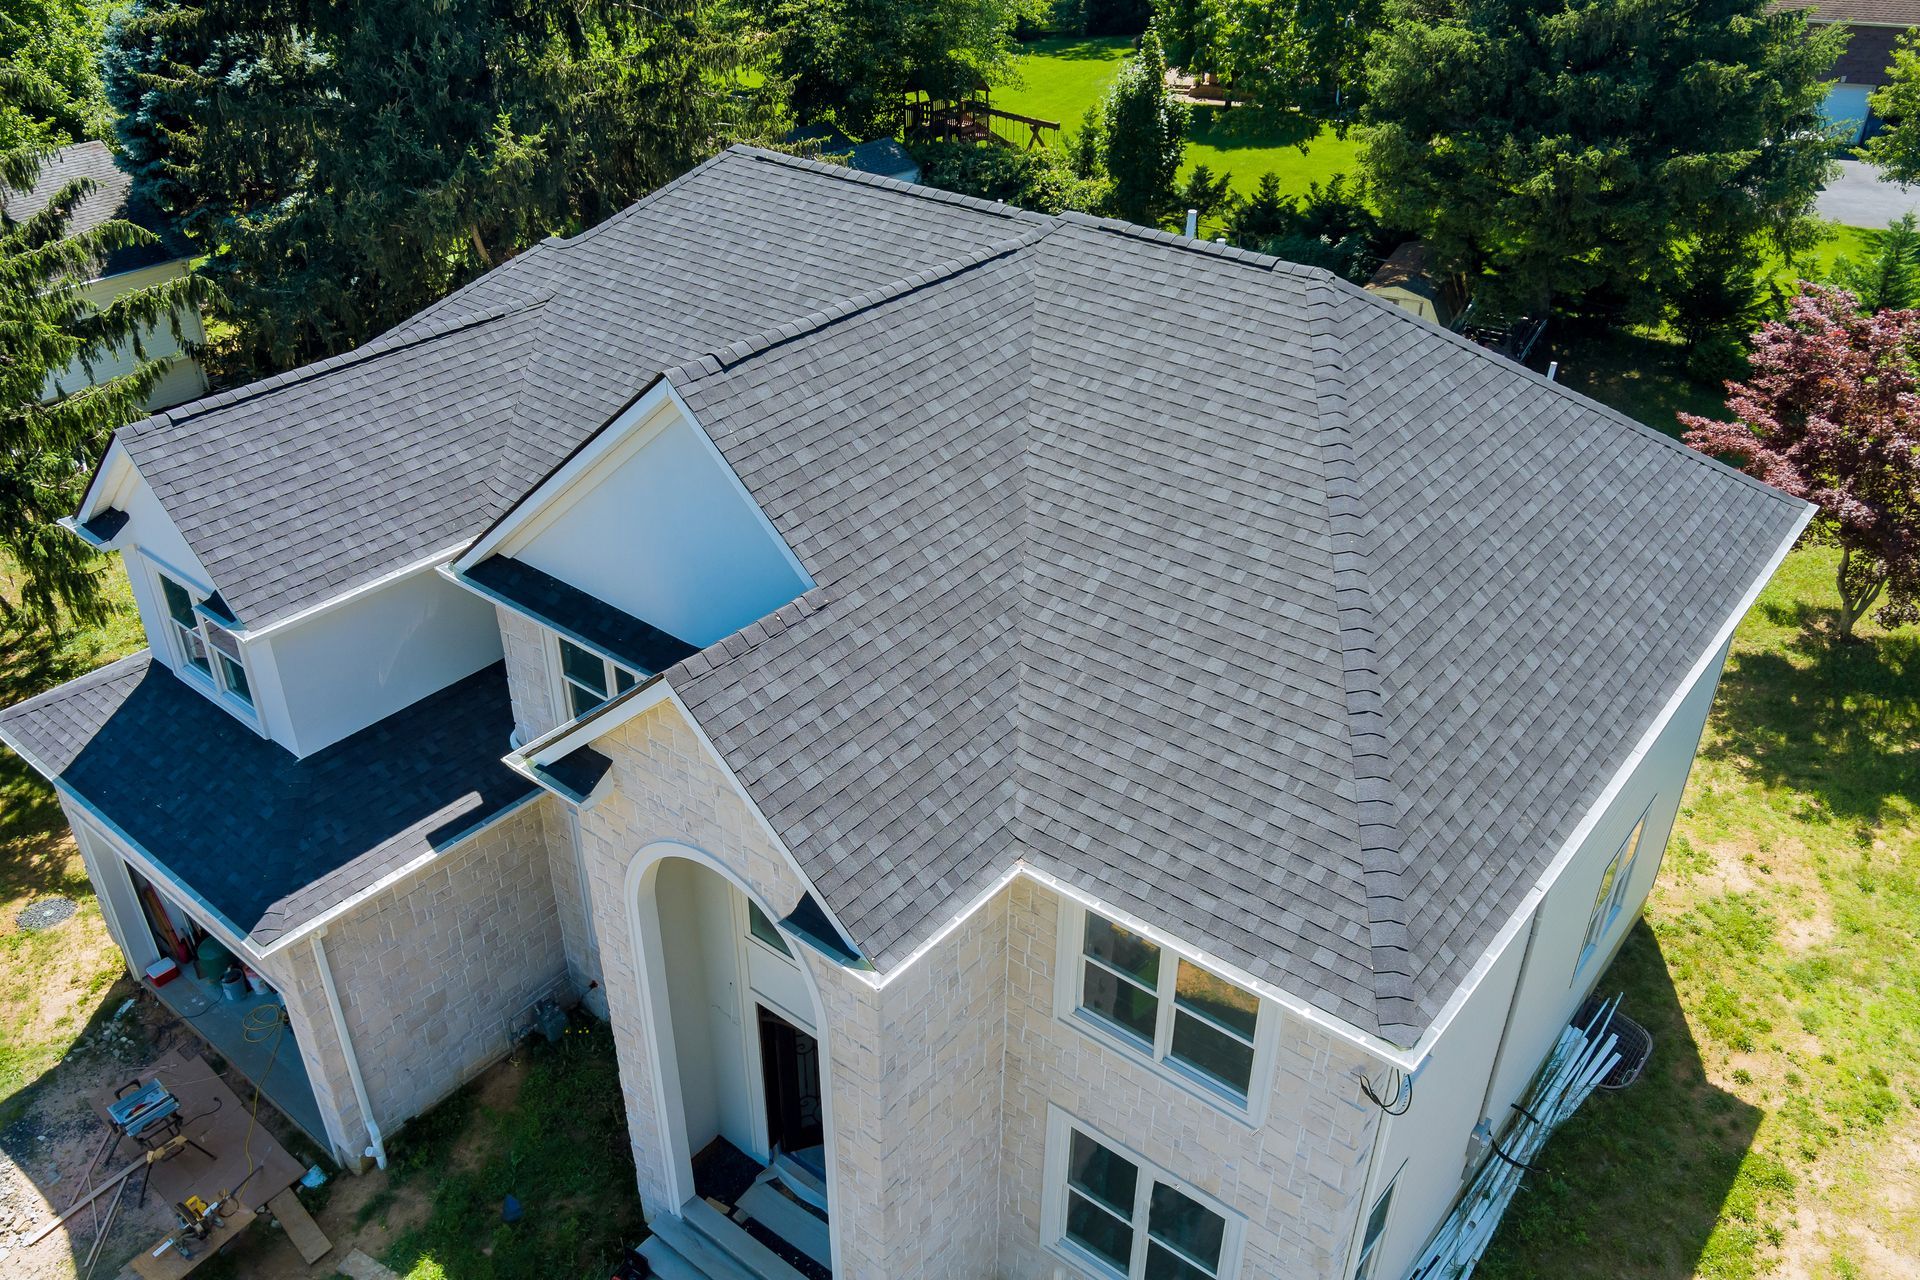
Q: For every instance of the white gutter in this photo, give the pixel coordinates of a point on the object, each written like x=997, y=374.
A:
x=354, y=593
x=376, y=1147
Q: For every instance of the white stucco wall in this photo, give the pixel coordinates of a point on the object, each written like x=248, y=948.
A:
x=359, y=662
x=1549, y=990
x=669, y=535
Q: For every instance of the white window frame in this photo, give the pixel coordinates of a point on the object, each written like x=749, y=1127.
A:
x=563, y=684
x=1249, y=1110
x=212, y=679
x=1053, y=1212
x=1610, y=895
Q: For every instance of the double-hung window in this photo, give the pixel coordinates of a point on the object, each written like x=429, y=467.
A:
x=589, y=678
x=1611, y=897
x=1168, y=1007
x=1128, y=1219
x=212, y=651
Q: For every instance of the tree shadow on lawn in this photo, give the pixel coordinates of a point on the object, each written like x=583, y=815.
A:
x=1836, y=720
x=1249, y=127
x=1635, y=1184
x=1078, y=48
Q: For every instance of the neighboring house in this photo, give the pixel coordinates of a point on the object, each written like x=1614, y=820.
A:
x=1016, y=755
x=1873, y=28
x=1402, y=279
x=123, y=271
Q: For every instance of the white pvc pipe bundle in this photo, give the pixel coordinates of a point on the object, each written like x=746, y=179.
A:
x=1579, y=1062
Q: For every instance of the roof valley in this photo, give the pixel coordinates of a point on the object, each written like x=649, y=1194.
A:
x=1376, y=797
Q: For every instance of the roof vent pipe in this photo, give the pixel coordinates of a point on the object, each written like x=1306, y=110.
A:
x=1193, y=223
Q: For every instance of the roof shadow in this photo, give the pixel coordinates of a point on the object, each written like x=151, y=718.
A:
x=1647, y=1169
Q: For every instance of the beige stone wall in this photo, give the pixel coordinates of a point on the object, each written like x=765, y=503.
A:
x=941, y=1079
x=1297, y=1179
x=913, y=1071
x=528, y=647
x=437, y=975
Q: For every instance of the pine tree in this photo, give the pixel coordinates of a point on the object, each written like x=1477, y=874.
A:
x=1890, y=279
x=1145, y=135
x=52, y=434
x=346, y=164
x=1559, y=150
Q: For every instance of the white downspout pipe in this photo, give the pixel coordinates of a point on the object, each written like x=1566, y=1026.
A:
x=374, y=1143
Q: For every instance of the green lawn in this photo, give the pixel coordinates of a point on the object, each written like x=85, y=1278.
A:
x=1060, y=79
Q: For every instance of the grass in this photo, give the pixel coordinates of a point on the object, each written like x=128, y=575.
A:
x=560, y=1148
x=1061, y=78
x=54, y=982
x=1778, y=1127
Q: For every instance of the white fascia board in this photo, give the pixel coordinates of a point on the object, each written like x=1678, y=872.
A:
x=393, y=878
x=106, y=481
x=1570, y=847
x=626, y=431
x=425, y=563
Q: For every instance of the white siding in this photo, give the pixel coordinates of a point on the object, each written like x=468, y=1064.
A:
x=358, y=662
x=183, y=381
x=668, y=534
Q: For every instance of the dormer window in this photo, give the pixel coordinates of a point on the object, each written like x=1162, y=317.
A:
x=589, y=678
x=186, y=625
x=201, y=646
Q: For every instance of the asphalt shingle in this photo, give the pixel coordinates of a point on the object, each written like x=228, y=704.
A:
x=270, y=840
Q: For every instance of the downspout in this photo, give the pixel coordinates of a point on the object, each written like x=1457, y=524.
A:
x=1506, y=1027
x=374, y=1143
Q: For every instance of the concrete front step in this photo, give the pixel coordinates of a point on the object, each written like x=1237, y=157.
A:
x=701, y=1243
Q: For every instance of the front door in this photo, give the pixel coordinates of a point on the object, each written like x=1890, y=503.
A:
x=790, y=1070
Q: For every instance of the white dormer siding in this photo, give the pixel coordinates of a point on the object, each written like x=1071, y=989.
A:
x=314, y=679
x=650, y=519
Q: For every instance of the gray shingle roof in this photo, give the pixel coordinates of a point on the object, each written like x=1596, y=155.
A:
x=338, y=473
x=93, y=162
x=1287, y=622
x=269, y=840
x=1283, y=620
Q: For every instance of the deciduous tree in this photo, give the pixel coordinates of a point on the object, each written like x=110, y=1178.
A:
x=1558, y=149
x=1895, y=149
x=49, y=80
x=1831, y=413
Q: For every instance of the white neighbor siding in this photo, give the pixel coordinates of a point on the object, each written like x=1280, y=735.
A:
x=1427, y=1147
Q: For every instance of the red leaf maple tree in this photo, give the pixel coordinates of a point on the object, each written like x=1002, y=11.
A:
x=1831, y=413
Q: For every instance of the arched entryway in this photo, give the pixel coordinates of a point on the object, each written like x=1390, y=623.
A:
x=741, y=1075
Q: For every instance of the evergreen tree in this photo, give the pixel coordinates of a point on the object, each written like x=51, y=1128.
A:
x=1890, y=279
x=1145, y=133
x=1895, y=150
x=1264, y=214
x=146, y=43
x=1560, y=149
x=346, y=164
x=52, y=433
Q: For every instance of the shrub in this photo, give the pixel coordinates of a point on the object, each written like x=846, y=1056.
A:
x=1038, y=180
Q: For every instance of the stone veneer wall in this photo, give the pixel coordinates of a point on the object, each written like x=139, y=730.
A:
x=529, y=647
x=1298, y=1179
x=913, y=1071
x=436, y=976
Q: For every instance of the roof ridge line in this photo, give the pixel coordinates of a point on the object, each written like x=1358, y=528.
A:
x=689, y=372
x=1376, y=799
x=371, y=350
x=916, y=190
x=1354, y=292
x=1194, y=244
